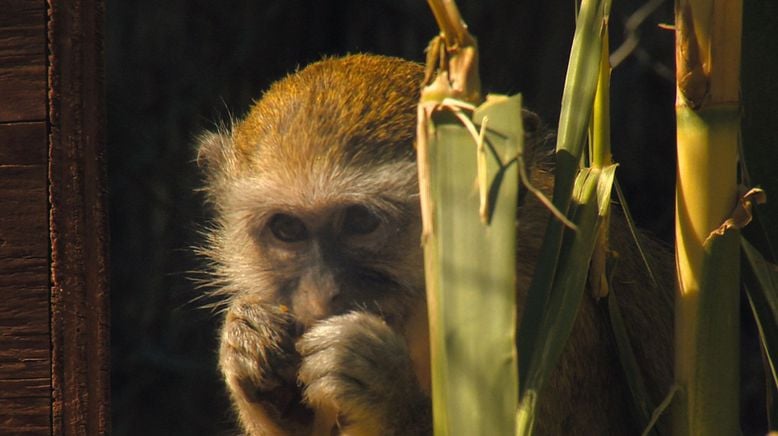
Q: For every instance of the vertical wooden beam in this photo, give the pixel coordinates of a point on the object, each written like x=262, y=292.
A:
x=79, y=276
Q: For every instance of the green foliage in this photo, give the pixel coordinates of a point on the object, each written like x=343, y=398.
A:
x=563, y=263
x=761, y=283
x=591, y=195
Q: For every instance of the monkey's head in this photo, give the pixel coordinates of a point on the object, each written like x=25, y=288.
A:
x=316, y=194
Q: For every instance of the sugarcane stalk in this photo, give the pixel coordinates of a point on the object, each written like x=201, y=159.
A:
x=707, y=302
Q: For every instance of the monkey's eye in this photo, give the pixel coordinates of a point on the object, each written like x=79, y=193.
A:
x=288, y=228
x=359, y=220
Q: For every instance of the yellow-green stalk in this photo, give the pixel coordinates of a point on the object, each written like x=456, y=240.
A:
x=600, y=157
x=708, y=36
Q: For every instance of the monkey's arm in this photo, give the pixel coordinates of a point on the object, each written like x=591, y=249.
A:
x=357, y=365
x=258, y=362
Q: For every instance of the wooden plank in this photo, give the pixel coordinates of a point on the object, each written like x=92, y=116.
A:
x=18, y=418
x=25, y=390
x=25, y=342
x=24, y=357
x=23, y=143
x=22, y=60
x=79, y=276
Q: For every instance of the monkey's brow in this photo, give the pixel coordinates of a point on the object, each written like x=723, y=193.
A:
x=387, y=189
x=386, y=207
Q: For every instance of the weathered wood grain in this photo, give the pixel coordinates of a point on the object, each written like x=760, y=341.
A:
x=25, y=342
x=22, y=143
x=79, y=276
x=22, y=60
x=20, y=418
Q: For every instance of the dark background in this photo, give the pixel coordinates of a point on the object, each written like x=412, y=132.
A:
x=178, y=67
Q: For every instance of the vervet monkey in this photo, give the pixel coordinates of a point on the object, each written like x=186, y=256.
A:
x=316, y=253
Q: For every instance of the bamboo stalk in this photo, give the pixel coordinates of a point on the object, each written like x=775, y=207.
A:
x=707, y=302
x=600, y=157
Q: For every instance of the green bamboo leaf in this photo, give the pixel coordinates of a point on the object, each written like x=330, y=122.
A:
x=759, y=69
x=583, y=71
x=761, y=280
x=660, y=410
x=633, y=230
x=591, y=195
x=578, y=96
x=761, y=283
x=642, y=407
x=471, y=269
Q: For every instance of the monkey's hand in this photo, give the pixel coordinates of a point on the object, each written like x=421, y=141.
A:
x=258, y=362
x=356, y=365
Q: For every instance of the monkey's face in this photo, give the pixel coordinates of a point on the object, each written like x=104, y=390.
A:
x=330, y=258
x=321, y=237
x=316, y=193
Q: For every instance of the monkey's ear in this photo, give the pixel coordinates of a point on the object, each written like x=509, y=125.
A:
x=531, y=121
x=533, y=136
x=215, y=152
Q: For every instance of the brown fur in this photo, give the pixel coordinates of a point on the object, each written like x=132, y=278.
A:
x=337, y=322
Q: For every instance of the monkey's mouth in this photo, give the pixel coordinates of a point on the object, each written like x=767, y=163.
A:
x=298, y=329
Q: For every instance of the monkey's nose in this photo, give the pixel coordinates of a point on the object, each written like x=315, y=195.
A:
x=314, y=300
x=320, y=306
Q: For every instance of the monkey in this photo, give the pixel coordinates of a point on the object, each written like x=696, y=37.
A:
x=316, y=256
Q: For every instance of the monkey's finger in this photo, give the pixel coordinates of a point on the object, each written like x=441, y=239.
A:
x=354, y=353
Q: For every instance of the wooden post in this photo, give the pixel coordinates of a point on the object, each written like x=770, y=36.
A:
x=54, y=358
x=79, y=275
